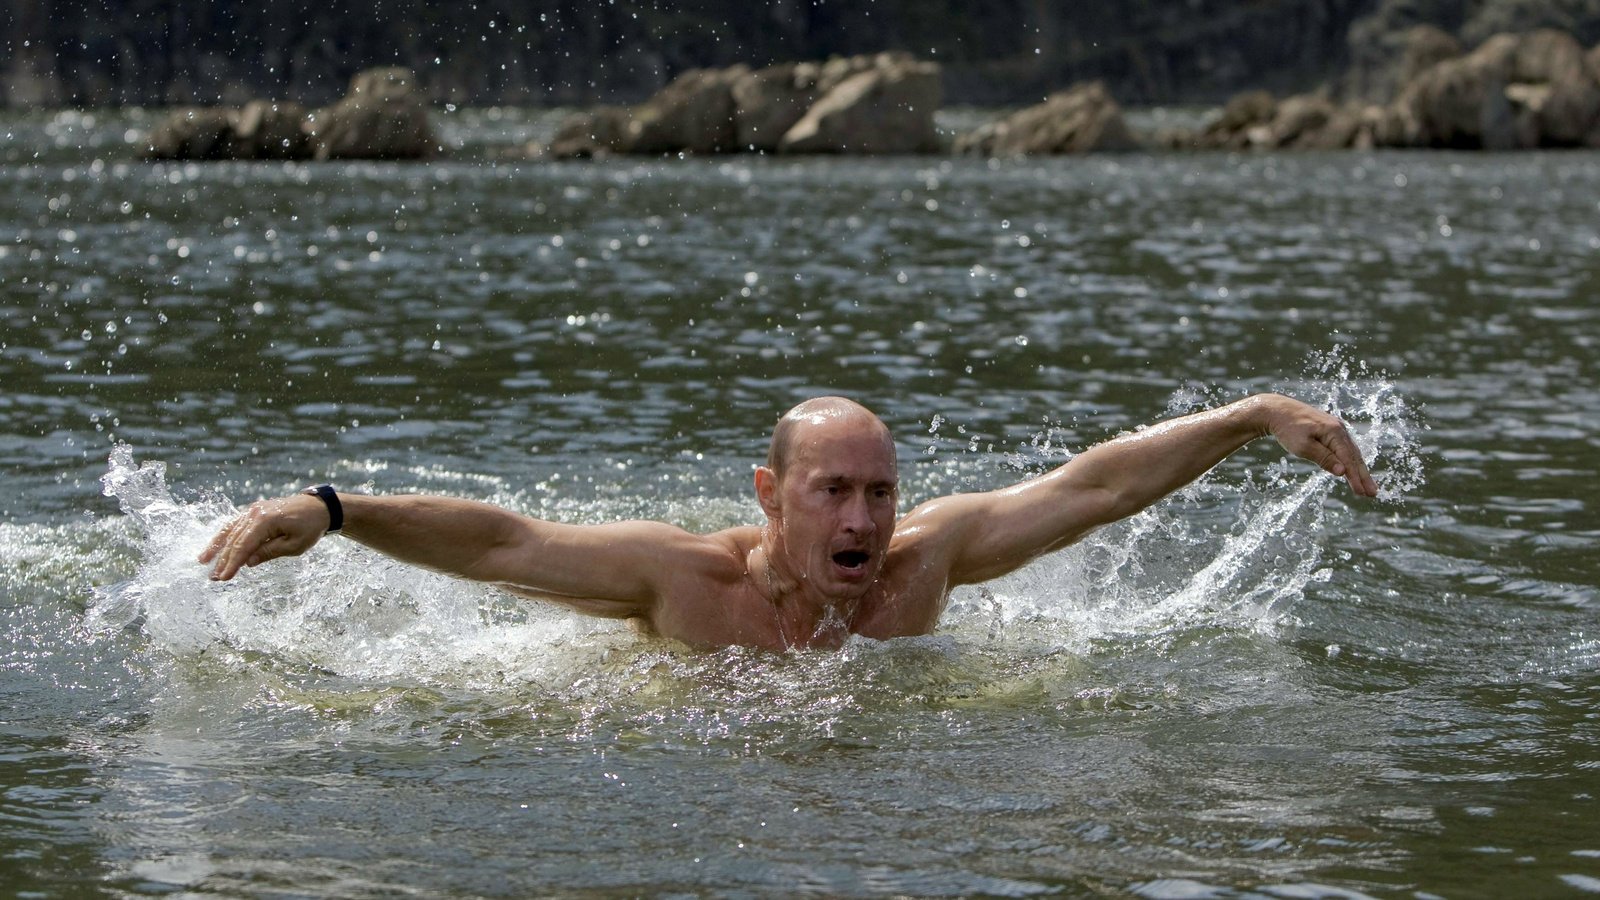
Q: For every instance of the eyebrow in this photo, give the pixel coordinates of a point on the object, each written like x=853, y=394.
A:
x=825, y=477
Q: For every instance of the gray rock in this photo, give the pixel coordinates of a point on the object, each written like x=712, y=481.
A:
x=199, y=133
x=693, y=114
x=1243, y=116
x=1382, y=63
x=264, y=129
x=885, y=109
x=382, y=117
x=768, y=102
x=1512, y=92
x=599, y=132
x=1082, y=119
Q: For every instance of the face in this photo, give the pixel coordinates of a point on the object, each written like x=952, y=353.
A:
x=834, y=506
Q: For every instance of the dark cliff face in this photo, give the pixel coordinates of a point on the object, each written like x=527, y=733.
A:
x=161, y=52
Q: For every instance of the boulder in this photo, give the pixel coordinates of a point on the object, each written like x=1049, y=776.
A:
x=1425, y=46
x=1297, y=123
x=1562, y=89
x=1460, y=102
x=1513, y=91
x=693, y=114
x=1592, y=138
x=599, y=132
x=1082, y=119
x=839, y=69
x=382, y=117
x=197, y=133
x=1245, y=114
x=1383, y=62
x=1314, y=122
x=887, y=108
x=768, y=102
x=264, y=129
x=1257, y=121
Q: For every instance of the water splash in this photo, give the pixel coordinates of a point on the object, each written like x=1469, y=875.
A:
x=1216, y=554
x=340, y=608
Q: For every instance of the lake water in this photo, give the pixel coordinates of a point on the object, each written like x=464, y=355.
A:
x=1262, y=687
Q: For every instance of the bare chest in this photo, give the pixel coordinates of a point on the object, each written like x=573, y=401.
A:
x=733, y=611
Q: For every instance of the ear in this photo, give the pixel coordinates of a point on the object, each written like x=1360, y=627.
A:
x=767, y=492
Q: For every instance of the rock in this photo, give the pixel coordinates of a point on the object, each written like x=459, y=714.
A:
x=381, y=117
x=885, y=109
x=1425, y=47
x=1383, y=62
x=599, y=132
x=1512, y=92
x=693, y=114
x=268, y=130
x=1459, y=103
x=199, y=133
x=1244, y=115
x=1298, y=122
x=768, y=102
x=1082, y=119
x=840, y=69
x=1257, y=121
x=1592, y=137
x=1569, y=101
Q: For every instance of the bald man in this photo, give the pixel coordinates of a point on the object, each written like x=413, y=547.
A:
x=832, y=559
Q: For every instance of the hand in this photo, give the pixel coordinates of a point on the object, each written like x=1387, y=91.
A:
x=288, y=526
x=1312, y=434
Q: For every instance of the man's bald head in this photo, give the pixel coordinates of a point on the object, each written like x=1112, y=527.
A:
x=816, y=413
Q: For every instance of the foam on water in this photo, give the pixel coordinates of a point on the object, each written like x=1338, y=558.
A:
x=1178, y=565
x=1218, y=555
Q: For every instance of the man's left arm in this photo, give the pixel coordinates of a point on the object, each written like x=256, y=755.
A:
x=986, y=535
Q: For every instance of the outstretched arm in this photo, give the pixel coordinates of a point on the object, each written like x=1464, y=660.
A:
x=987, y=535
x=600, y=569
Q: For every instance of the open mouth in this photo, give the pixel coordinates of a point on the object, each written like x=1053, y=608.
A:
x=851, y=559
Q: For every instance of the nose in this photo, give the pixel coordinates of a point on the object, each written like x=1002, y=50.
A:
x=857, y=515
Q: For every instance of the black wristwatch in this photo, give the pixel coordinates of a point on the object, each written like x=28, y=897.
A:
x=330, y=499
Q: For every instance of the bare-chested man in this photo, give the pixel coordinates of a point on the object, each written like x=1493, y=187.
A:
x=832, y=559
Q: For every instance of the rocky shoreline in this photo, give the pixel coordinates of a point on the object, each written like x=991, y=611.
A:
x=1513, y=91
x=381, y=117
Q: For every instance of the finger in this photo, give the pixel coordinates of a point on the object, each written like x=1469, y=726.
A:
x=1355, y=468
x=218, y=541
x=273, y=547
x=1327, y=456
x=240, y=547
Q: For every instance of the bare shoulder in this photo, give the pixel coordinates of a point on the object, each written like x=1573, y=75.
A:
x=728, y=548
x=674, y=549
x=706, y=594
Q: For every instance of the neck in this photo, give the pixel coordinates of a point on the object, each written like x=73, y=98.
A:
x=804, y=617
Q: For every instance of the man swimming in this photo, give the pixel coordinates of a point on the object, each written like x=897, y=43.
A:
x=831, y=560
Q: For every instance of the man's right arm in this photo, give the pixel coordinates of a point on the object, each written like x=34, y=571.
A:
x=986, y=535
x=608, y=569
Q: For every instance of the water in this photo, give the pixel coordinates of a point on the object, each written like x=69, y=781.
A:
x=1263, y=687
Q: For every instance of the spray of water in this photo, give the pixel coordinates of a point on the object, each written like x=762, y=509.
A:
x=1217, y=553
x=341, y=608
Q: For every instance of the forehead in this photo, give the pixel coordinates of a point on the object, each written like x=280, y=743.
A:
x=856, y=448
